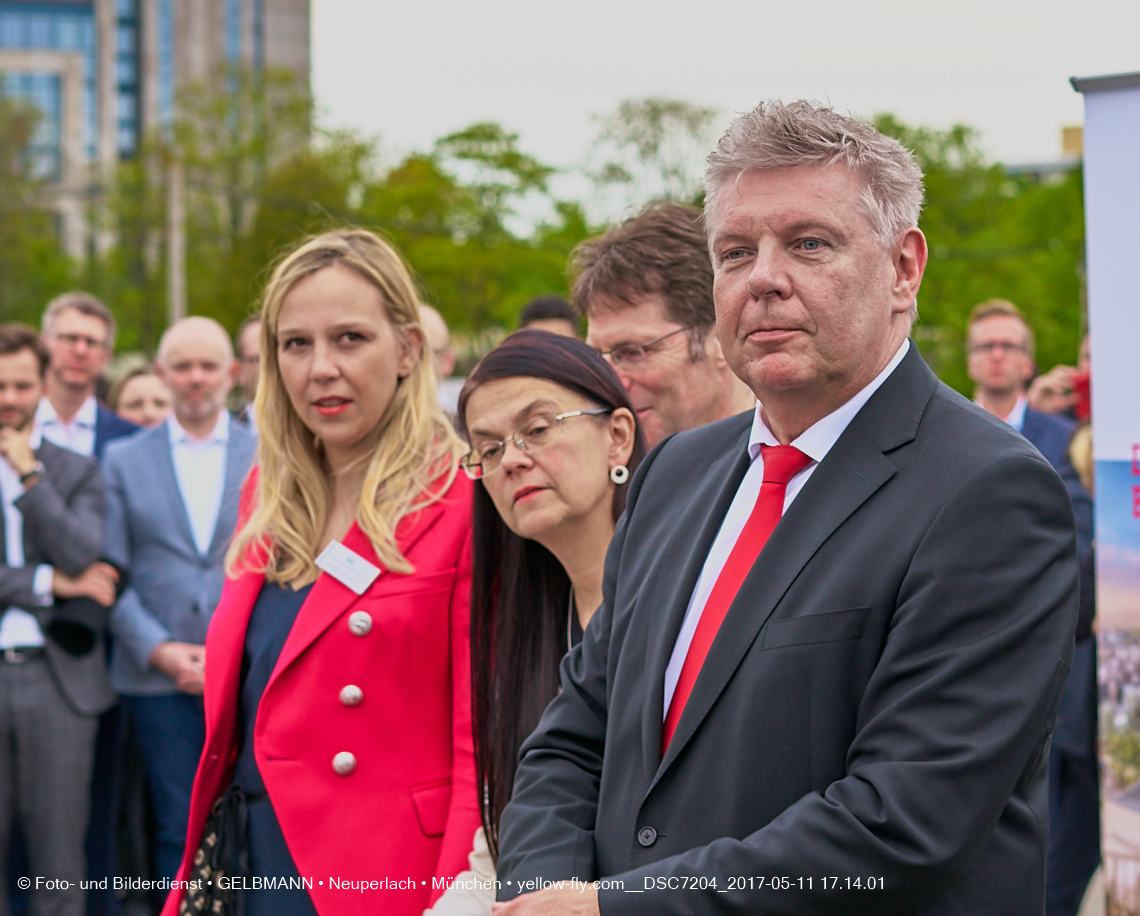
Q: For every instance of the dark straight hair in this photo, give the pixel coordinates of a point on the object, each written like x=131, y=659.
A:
x=520, y=594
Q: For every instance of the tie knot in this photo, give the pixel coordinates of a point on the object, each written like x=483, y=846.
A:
x=782, y=463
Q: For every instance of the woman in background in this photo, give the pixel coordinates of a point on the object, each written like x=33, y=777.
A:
x=338, y=711
x=141, y=397
x=554, y=440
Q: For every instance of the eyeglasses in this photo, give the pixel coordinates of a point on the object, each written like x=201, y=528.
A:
x=632, y=355
x=533, y=436
x=74, y=340
x=1005, y=347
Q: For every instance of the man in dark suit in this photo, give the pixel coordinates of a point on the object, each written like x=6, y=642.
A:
x=836, y=628
x=79, y=331
x=1000, y=344
x=53, y=670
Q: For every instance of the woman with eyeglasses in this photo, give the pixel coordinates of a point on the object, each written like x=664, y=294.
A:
x=554, y=441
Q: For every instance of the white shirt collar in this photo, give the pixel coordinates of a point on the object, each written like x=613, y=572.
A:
x=816, y=441
x=87, y=416
x=219, y=435
x=1016, y=417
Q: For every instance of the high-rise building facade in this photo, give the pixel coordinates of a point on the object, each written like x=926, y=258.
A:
x=105, y=72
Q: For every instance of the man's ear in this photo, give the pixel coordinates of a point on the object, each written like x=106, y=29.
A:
x=909, y=260
x=160, y=371
x=413, y=351
x=714, y=350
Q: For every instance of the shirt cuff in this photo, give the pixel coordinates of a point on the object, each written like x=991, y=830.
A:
x=42, y=585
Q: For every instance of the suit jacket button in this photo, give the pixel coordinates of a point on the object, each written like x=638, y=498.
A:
x=360, y=623
x=351, y=695
x=647, y=836
x=344, y=763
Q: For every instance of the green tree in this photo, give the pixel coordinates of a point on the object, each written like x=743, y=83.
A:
x=993, y=235
x=652, y=147
x=33, y=266
x=451, y=212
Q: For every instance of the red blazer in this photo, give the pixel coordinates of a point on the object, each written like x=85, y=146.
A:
x=407, y=813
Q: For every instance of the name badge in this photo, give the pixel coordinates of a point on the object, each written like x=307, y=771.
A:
x=347, y=567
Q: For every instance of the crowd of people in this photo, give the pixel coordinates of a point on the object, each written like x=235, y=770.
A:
x=447, y=641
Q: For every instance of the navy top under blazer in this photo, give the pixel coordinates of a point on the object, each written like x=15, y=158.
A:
x=270, y=622
x=108, y=427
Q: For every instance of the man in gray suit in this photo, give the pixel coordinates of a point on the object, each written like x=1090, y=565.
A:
x=53, y=672
x=172, y=496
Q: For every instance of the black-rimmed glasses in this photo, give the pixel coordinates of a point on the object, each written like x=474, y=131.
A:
x=533, y=436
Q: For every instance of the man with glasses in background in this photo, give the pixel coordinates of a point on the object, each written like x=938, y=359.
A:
x=999, y=346
x=79, y=331
x=645, y=288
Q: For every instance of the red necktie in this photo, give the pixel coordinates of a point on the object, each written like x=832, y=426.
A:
x=781, y=464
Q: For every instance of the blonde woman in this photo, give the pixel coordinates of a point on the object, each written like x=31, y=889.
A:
x=338, y=712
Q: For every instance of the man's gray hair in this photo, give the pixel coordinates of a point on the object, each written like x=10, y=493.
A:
x=85, y=304
x=776, y=136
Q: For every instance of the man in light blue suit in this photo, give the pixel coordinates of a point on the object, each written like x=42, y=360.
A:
x=172, y=496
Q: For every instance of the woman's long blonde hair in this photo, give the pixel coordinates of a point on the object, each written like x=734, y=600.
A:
x=415, y=453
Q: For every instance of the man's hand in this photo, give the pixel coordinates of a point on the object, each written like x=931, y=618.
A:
x=97, y=582
x=182, y=662
x=580, y=899
x=1053, y=391
x=14, y=446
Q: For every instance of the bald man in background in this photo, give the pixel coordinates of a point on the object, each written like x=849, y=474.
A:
x=438, y=339
x=172, y=495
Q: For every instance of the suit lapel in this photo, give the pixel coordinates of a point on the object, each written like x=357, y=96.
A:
x=839, y=486
x=854, y=469
x=329, y=598
x=705, y=514
x=170, y=489
x=237, y=466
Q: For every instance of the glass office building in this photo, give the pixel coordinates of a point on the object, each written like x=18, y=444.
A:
x=51, y=27
x=105, y=73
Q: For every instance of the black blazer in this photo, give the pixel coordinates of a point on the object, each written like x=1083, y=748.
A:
x=875, y=708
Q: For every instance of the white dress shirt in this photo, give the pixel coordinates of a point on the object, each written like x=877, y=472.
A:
x=200, y=466
x=17, y=626
x=815, y=442
x=77, y=436
x=1016, y=418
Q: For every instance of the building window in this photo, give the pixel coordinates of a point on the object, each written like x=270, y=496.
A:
x=259, y=35
x=165, y=62
x=45, y=92
x=127, y=76
x=57, y=27
x=233, y=31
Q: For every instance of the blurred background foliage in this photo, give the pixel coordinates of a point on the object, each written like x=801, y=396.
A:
x=478, y=220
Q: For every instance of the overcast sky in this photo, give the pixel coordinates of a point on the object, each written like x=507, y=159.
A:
x=413, y=71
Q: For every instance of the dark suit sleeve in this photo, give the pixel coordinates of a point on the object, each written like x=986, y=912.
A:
x=16, y=586
x=954, y=716
x=68, y=533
